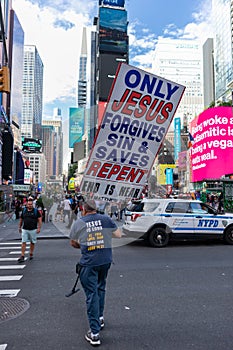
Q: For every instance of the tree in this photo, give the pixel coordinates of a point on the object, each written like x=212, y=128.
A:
x=72, y=170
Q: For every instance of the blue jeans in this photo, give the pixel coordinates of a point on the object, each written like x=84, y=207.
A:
x=93, y=280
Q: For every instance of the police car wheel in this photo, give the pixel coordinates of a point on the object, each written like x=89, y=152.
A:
x=229, y=235
x=158, y=237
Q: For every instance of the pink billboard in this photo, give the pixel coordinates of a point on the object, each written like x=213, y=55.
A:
x=211, y=154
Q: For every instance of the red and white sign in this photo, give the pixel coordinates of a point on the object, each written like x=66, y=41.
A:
x=27, y=176
x=139, y=111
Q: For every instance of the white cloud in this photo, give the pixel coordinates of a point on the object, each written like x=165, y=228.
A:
x=55, y=27
x=143, y=41
x=200, y=28
x=59, y=47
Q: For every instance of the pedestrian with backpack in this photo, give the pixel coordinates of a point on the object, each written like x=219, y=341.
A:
x=29, y=226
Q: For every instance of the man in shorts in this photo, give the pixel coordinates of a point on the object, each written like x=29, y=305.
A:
x=29, y=226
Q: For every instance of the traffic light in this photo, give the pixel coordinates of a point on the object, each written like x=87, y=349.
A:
x=4, y=79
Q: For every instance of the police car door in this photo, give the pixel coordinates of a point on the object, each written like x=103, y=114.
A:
x=181, y=221
x=206, y=220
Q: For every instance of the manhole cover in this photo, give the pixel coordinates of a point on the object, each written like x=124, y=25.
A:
x=12, y=308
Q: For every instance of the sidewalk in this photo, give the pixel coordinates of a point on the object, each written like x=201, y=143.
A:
x=9, y=231
x=50, y=230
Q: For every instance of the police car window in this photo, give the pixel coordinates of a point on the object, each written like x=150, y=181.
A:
x=150, y=207
x=135, y=207
x=198, y=208
x=177, y=207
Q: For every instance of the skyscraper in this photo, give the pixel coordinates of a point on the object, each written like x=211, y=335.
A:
x=82, y=82
x=17, y=54
x=208, y=73
x=180, y=60
x=223, y=30
x=53, y=143
x=82, y=90
x=32, y=93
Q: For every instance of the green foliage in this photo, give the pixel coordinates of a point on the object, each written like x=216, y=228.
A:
x=212, y=104
x=72, y=169
x=224, y=104
x=220, y=104
x=48, y=202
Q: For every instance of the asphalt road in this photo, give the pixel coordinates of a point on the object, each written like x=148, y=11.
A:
x=174, y=298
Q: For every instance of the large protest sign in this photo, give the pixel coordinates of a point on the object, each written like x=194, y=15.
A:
x=139, y=111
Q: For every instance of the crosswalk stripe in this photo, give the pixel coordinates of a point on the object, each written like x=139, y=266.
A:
x=3, y=346
x=9, y=292
x=10, y=278
x=18, y=252
x=8, y=259
x=10, y=243
x=10, y=267
x=4, y=248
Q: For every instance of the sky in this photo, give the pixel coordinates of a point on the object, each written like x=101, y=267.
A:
x=55, y=28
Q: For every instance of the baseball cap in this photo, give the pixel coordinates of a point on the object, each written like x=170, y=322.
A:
x=90, y=205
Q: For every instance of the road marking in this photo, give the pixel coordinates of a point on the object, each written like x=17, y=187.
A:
x=4, y=248
x=10, y=267
x=19, y=252
x=10, y=243
x=11, y=278
x=3, y=346
x=8, y=259
x=9, y=292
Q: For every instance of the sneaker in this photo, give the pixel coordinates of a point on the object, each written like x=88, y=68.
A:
x=31, y=257
x=102, y=322
x=93, y=339
x=21, y=259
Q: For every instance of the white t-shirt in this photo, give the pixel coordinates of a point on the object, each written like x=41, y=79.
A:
x=67, y=204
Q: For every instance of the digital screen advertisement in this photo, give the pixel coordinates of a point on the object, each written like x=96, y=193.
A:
x=76, y=123
x=118, y=3
x=113, y=30
x=211, y=152
x=30, y=145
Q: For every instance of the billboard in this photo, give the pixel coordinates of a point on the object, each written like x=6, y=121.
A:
x=79, y=150
x=28, y=176
x=136, y=119
x=183, y=160
x=211, y=152
x=101, y=109
x=113, y=30
x=177, y=137
x=165, y=173
x=113, y=3
x=30, y=145
x=108, y=64
x=76, y=125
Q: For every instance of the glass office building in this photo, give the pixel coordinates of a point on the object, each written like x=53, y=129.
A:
x=222, y=21
x=31, y=119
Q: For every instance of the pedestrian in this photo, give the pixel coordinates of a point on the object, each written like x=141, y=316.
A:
x=93, y=233
x=73, y=215
x=80, y=200
x=17, y=208
x=29, y=226
x=220, y=204
x=66, y=208
x=59, y=212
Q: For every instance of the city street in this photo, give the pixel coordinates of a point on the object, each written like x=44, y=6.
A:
x=178, y=297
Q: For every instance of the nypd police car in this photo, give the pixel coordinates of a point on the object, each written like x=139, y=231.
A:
x=160, y=220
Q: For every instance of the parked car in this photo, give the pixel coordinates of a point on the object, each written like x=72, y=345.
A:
x=160, y=220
